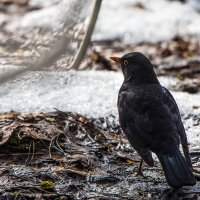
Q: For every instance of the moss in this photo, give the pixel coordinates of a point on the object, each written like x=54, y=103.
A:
x=14, y=140
x=180, y=78
x=48, y=185
x=24, y=142
x=17, y=193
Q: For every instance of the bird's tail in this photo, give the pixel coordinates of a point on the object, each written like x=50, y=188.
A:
x=176, y=170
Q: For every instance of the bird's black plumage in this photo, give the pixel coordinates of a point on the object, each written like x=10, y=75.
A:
x=150, y=118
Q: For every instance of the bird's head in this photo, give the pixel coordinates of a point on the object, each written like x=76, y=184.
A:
x=136, y=68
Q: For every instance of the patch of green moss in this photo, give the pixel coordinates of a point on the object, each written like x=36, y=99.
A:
x=180, y=78
x=17, y=193
x=25, y=141
x=48, y=185
x=14, y=140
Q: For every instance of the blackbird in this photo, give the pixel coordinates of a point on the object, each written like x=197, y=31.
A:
x=150, y=118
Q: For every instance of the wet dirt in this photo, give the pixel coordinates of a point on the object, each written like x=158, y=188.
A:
x=64, y=155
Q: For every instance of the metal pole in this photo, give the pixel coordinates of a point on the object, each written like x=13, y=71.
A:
x=83, y=47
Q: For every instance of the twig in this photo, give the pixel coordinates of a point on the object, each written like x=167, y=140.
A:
x=29, y=151
x=20, y=154
x=51, y=142
x=33, y=152
x=58, y=145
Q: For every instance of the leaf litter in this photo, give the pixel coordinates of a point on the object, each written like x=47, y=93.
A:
x=64, y=155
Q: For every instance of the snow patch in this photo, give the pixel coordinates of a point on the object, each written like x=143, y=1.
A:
x=158, y=20
x=91, y=93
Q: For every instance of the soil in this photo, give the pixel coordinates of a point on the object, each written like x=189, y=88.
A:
x=69, y=156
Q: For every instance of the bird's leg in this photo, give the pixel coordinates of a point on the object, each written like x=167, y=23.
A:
x=139, y=171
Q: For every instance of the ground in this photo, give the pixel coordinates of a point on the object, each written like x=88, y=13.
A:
x=64, y=155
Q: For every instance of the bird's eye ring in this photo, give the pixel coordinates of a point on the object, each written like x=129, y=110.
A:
x=125, y=62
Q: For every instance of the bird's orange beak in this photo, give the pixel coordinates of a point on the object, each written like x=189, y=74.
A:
x=116, y=59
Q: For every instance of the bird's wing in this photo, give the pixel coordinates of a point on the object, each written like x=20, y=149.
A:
x=181, y=130
x=151, y=121
x=135, y=125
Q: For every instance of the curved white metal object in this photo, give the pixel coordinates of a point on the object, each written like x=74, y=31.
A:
x=59, y=48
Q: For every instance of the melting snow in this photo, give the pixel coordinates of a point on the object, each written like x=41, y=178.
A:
x=158, y=20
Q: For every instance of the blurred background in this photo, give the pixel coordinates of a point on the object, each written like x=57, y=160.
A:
x=166, y=31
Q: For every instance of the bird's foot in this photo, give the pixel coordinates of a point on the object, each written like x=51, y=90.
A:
x=139, y=171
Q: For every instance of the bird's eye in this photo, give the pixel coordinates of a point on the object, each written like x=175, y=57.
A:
x=125, y=62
